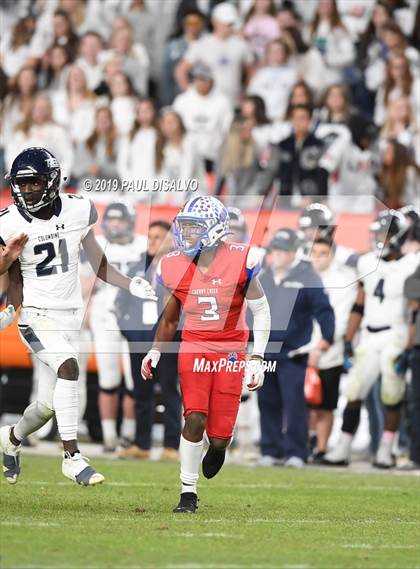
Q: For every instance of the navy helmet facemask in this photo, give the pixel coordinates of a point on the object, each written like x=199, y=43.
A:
x=121, y=212
x=35, y=164
x=390, y=230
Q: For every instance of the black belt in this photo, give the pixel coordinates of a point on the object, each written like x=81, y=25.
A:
x=381, y=329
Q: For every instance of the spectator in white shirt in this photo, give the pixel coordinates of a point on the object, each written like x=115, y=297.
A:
x=123, y=102
x=340, y=286
x=74, y=108
x=134, y=58
x=39, y=129
x=338, y=117
x=15, y=47
x=56, y=69
x=181, y=159
x=17, y=103
x=400, y=125
x=140, y=153
x=372, y=49
x=275, y=80
x=206, y=113
x=260, y=27
x=399, y=81
x=90, y=48
x=301, y=94
x=56, y=28
x=142, y=21
x=332, y=40
x=228, y=56
x=96, y=159
x=394, y=42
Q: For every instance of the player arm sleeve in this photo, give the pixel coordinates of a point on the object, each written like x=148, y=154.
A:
x=323, y=312
x=253, y=264
x=159, y=277
x=262, y=323
x=91, y=219
x=93, y=214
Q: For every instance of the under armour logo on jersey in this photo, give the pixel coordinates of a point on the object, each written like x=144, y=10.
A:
x=59, y=226
x=216, y=282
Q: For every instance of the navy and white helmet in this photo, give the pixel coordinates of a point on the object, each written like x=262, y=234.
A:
x=35, y=162
x=210, y=215
x=118, y=210
x=412, y=214
x=318, y=216
x=391, y=230
x=237, y=221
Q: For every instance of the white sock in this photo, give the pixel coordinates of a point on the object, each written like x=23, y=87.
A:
x=34, y=417
x=190, y=454
x=66, y=407
x=109, y=431
x=128, y=428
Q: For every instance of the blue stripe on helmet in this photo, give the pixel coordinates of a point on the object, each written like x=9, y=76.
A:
x=194, y=202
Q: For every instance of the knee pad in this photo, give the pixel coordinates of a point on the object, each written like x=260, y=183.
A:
x=111, y=391
x=392, y=390
x=109, y=380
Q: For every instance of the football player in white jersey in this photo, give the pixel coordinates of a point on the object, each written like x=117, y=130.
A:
x=381, y=310
x=48, y=287
x=123, y=248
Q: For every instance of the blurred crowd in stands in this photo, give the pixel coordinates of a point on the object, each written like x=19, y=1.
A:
x=302, y=98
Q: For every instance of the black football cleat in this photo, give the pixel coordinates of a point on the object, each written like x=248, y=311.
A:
x=213, y=461
x=187, y=504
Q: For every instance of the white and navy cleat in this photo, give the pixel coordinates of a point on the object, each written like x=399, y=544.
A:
x=77, y=468
x=11, y=456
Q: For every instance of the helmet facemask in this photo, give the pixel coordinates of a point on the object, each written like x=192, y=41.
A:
x=46, y=196
x=390, y=233
x=192, y=235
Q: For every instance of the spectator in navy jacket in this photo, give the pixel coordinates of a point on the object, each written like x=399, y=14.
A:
x=137, y=320
x=294, y=161
x=296, y=297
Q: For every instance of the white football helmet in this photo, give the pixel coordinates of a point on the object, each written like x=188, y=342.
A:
x=210, y=219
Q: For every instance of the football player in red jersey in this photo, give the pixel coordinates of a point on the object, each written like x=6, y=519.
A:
x=209, y=280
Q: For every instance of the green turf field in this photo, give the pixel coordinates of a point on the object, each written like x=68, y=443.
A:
x=248, y=517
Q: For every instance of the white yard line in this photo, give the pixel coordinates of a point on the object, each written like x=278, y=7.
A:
x=19, y=523
x=382, y=546
x=371, y=487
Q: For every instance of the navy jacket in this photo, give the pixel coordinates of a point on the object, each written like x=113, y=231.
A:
x=294, y=303
x=129, y=308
